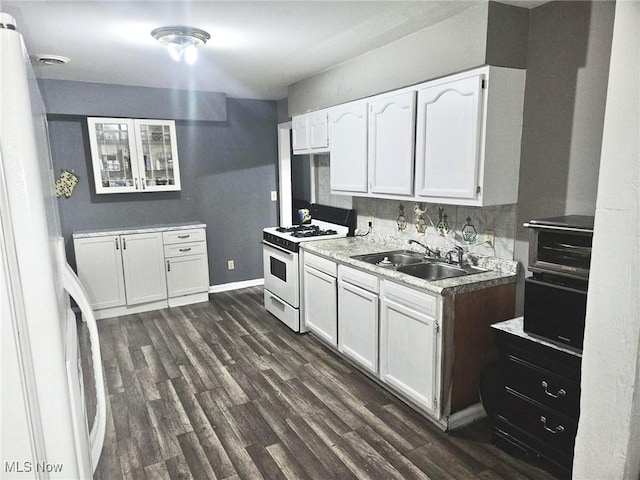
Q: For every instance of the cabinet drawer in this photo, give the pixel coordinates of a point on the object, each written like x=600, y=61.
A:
x=181, y=236
x=322, y=264
x=182, y=249
x=554, y=430
x=420, y=301
x=543, y=386
x=360, y=279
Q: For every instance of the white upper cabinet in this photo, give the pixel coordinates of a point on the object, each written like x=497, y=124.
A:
x=449, y=128
x=131, y=155
x=348, y=133
x=310, y=133
x=457, y=144
x=391, y=144
x=468, y=134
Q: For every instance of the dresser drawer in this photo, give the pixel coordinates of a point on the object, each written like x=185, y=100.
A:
x=555, y=431
x=181, y=236
x=183, y=249
x=547, y=388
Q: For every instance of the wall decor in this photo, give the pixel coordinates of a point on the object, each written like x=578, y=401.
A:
x=65, y=183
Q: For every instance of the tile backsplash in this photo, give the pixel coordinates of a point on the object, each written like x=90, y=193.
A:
x=500, y=219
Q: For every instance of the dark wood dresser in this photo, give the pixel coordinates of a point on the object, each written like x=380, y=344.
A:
x=538, y=401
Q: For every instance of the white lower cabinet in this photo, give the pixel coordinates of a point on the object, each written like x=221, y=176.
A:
x=99, y=263
x=136, y=272
x=319, y=297
x=358, y=317
x=143, y=265
x=410, y=351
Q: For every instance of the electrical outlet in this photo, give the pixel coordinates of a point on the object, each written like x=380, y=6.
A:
x=490, y=237
x=274, y=195
x=371, y=220
x=230, y=265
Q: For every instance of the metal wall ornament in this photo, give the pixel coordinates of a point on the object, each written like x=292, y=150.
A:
x=469, y=232
x=443, y=225
x=421, y=221
x=401, y=220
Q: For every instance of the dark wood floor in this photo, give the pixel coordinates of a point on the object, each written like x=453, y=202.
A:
x=223, y=390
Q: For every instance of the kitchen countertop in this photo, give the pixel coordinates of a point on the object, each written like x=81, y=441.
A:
x=500, y=272
x=515, y=326
x=167, y=227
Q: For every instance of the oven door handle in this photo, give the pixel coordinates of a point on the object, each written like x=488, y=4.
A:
x=280, y=249
x=557, y=227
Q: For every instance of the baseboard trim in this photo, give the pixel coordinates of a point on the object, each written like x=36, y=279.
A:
x=226, y=287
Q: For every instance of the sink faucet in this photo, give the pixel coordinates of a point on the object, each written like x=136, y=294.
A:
x=458, y=251
x=427, y=251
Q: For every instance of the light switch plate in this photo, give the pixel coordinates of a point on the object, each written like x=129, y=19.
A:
x=274, y=195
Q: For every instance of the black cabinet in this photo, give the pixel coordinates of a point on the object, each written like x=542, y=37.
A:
x=538, y=403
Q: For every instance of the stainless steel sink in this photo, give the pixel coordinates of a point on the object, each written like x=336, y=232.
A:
x=415, y=264
x=433, y=271
x=392, y=259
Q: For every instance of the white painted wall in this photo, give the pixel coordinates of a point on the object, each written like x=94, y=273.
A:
x=608, y=441
x=455, y=44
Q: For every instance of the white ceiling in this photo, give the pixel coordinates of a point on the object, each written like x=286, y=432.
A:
x=256, y=50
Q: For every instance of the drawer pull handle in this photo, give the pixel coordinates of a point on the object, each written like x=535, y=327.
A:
x=185, y=249
x=184, y=236
x=558, y=394
x=558, y=429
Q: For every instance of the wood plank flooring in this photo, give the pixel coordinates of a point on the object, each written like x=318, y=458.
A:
x=223, y=390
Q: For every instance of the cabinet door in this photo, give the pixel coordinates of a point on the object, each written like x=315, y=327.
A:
x=99, y=263
x=358, y=325
x=299, y=133
x=157, y=155
x=348, y=134
x=318, y=131
x=320, y=304
x=113, y=155
x=409, y=353
x=391, y=144
x=448, y=144
x=143, y=263
x=187, y=275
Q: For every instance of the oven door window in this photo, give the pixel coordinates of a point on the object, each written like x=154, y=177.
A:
x=565, y=249
x=278, y=268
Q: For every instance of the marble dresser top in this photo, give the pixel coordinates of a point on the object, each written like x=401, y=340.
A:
x=515, y=326
x=145, y=229
x=342, y=249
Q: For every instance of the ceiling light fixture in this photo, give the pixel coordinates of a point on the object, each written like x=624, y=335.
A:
x=181, y=41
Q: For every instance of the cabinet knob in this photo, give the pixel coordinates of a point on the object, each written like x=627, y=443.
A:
x=558, y=394
x=558, y=429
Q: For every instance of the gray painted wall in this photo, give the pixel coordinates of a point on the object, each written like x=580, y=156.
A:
x=484, y=33
x=108, y=100
x=565, y=94
x=227, y=171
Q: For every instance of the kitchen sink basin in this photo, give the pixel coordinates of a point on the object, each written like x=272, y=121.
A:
x=393, y=259
x=416, y=265
x=433, y=271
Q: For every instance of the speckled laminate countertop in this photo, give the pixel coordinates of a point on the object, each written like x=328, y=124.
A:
x=341, y=250
x=146, y=229
x=515, y=326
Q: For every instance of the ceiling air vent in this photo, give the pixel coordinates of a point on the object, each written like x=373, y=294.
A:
x=50, y=59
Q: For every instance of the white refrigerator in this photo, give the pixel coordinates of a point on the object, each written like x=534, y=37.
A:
x=43, y=424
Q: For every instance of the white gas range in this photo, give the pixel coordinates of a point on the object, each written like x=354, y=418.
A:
x=281, y=262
